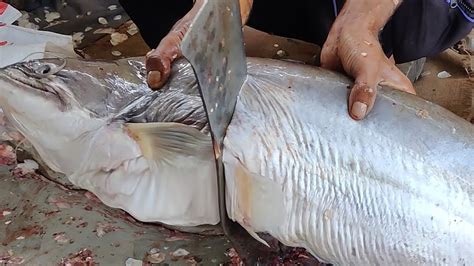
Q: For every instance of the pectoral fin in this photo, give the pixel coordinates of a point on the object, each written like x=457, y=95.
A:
x=166, y=141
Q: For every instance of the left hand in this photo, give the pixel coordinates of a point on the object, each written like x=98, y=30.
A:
x=158, y=61
x=352, y=45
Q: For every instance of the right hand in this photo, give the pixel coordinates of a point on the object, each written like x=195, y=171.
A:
x=352, y=45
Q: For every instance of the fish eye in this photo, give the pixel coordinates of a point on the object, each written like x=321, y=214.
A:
x=44, y=69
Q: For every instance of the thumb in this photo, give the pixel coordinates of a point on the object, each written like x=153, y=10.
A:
x=158, y=61
x=362, y=99
x=364, y=91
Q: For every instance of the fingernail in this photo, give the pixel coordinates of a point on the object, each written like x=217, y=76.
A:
x=154, y=79
x=359, y=110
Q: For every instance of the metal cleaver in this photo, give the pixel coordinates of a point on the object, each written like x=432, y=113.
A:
x=214, y=46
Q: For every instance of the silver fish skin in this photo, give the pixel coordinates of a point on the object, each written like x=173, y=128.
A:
x=395, y=188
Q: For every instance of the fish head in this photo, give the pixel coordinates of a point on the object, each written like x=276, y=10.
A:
x=62, y=104
x=100, y=88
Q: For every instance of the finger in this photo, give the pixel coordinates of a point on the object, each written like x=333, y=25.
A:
x=158, y=61
x=154, y=80
x=153, y=76
x=158, y=69
x=362, y=99
x=394, y=78
x=365, y=69
x=364, y=65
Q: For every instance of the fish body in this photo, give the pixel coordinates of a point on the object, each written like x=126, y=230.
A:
x=395, y=188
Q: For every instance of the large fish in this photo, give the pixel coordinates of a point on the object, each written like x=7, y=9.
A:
x=395, y=188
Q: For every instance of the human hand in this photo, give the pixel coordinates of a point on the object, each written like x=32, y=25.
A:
x=352, y=45
x=158, y=61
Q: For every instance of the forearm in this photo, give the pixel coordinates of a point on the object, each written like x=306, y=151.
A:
x=181, y=27
x=373, y=14
x=183, y=24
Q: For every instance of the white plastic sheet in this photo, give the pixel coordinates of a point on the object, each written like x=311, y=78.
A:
x=18, y=44
x=8, y=14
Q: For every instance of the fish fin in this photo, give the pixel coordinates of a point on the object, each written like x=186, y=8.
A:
x=243, y=184
x=166, y=141
x=249, y=195
x=256, y=236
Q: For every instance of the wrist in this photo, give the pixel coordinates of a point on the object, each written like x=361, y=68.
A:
x=182, y=25
x=245, y=8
